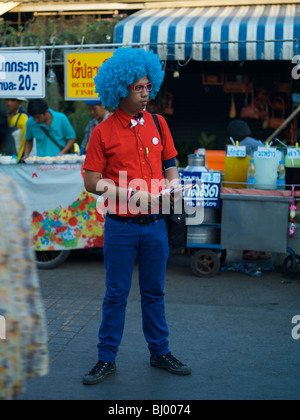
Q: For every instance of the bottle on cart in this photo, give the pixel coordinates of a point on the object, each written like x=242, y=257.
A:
x=251, y=175
x=281, y=176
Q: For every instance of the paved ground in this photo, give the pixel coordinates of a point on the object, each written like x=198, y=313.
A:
x=234, y=331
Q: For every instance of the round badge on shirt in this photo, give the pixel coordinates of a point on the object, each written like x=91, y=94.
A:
x=155, y=141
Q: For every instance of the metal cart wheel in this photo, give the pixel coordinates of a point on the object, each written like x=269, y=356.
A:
x=289, y=266
x=50, y=259
x=205, y=263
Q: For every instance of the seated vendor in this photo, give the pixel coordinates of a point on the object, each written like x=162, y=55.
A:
x=52, y=130
x=240, y=131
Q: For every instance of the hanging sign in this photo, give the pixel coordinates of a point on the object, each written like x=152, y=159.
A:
x=80, y=70
x=22, y=74
x=293, y=153
x=266, y=153
x=234, y=151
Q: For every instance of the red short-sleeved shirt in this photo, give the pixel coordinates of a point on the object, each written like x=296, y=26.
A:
x=130, y=156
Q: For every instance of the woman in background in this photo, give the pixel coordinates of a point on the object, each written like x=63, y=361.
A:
x=23, y=337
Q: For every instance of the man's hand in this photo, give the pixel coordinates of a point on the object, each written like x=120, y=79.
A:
x=174, y=197
x=144, y=202
x=68, y=147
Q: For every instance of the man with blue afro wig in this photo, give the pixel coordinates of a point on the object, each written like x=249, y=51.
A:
x=130, y=159
x=120, y=71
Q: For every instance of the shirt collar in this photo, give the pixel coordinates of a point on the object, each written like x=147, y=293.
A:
x=124, y=117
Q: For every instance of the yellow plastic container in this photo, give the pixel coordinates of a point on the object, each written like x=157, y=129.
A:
x=236, y=171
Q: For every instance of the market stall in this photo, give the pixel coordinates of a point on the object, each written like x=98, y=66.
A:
x=258, y=208
x=64, y=216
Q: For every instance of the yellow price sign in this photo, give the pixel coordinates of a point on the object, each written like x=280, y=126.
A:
x=80, y=70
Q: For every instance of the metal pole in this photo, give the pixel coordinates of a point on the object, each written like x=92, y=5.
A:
x=283, y=125
x=142, y=45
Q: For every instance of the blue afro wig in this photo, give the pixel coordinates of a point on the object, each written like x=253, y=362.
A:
x=122, y=69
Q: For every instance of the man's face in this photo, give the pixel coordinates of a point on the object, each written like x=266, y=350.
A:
x=12, y=105
x=40, y=118
x=137, y=100
x=97, y=111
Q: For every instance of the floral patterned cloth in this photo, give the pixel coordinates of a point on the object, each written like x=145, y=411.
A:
x=23, y=352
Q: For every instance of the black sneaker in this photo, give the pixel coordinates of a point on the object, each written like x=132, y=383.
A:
x=171, y=364
x=99, y=373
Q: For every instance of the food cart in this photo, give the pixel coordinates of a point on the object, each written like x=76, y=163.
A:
x=245, y=219
x=64, y=216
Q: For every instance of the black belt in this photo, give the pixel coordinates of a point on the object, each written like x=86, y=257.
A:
x=140, y=220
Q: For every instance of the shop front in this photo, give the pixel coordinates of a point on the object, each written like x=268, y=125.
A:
x=222, y=63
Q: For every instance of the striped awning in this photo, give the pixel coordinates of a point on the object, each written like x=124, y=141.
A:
x=216, y=33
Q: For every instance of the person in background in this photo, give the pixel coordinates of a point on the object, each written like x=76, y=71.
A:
x=17, y=117
x=52, y=130
x=23, y=334
x=240, y=131
x=99, y=114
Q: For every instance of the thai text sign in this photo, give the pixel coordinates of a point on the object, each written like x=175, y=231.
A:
x=206, y=193
x=234, y=151
x=293, y=153
x=80, y=70
x=22, y=74
x=263, y=152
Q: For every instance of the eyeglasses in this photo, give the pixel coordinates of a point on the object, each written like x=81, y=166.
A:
x=140, y=88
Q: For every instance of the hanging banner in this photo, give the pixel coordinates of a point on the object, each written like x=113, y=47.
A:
x=22, y=74
x=80, y=70
x=64, y=215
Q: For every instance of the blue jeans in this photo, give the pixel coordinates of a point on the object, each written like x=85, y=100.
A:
x=123, y=244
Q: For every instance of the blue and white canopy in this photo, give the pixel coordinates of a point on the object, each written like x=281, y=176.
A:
x=216, y=33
